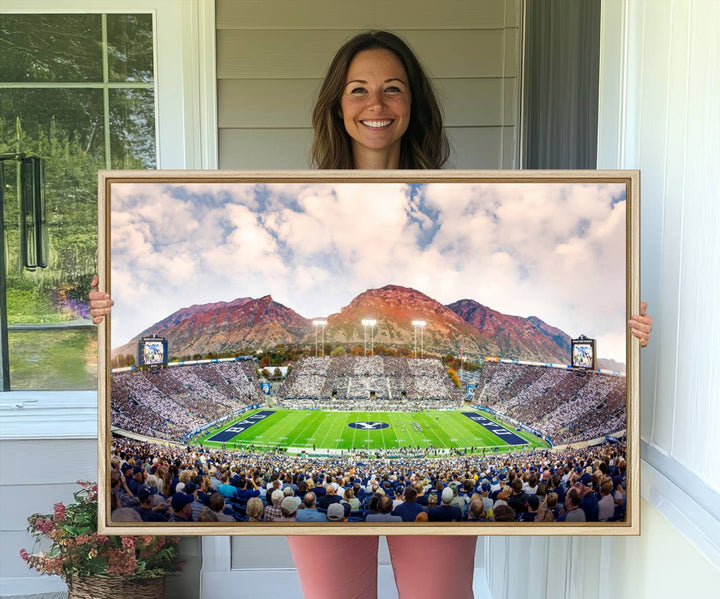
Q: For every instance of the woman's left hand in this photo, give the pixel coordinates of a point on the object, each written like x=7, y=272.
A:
x=641, y=325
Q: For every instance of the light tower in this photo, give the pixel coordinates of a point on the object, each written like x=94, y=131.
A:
x=419, y=324
x=369, y=322
x=321, y=324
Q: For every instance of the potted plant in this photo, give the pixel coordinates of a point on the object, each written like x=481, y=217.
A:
x=67, y=544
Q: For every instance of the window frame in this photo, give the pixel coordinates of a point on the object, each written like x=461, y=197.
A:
x=186, y=138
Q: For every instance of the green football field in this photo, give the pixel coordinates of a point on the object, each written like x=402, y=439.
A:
x=332, y=430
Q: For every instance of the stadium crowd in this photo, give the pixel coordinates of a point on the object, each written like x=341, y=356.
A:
x=167, y=403
x=369, y=378
x=566, y=405
x=183, y=484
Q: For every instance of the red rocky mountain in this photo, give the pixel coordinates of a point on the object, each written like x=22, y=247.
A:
x=244, y=323
x=516, y=336
x=249, y=324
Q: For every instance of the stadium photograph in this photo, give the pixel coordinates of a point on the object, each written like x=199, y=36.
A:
x=395, y=354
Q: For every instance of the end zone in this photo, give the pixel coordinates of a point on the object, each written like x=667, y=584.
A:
x=238, y=427
x=497, y=429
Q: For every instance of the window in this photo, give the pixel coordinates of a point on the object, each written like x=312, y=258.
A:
x=78, y=90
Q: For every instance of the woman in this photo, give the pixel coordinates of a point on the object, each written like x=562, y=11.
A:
x=254, y=509
x=350, y=499
x=377, y=110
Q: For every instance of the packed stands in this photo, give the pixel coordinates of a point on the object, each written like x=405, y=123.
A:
x=167, y=403
x=566, y=405
x=342, y=382
x=533, y=484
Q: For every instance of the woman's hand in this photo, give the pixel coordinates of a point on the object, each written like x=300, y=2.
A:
x=641, y=325
x=100, y=303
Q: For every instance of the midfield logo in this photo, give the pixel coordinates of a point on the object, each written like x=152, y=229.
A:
x=369, y=426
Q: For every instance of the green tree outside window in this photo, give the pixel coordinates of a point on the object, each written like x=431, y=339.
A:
x=78, y=91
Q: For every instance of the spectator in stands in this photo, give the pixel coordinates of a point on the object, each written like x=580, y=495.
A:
x=196, y=506
x=588, y=497
x=289, y=508
x=149, y=512
x=533, y=505
x=120, y=491
x=399, y=492
x=446, y=512
x=606, y=505
x=254, y=509
x=207, y=515
x=329, y=498
x=181, y=510
x=310, y=513
x=384, y=509
x=573, y=513
x=272, y=509
x=421, y=497
x=247, y=488
x=503, y=513
x=217, y=504
x=408, y=509
x=351, y=500
x=518, y=500
x=476, y=511
x=226, y=489
x=336, y=513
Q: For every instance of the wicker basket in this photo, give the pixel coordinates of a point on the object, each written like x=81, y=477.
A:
x=116, y=587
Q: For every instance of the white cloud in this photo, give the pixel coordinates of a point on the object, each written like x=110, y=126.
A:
x=551, y=250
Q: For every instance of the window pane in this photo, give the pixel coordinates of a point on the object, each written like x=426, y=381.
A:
x=132, y=128
x=130, y=47
x=50, y=48
x=53, y=360
x=65, y=127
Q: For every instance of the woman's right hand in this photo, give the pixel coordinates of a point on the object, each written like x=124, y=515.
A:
x=100, y=302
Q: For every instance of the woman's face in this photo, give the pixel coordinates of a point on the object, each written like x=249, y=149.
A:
x=375, y=106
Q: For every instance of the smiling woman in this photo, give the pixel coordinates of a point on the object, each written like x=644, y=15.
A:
x=375, y=78
x=375, y=108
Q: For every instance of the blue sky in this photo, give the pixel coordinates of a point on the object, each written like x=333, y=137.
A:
x=556, y=251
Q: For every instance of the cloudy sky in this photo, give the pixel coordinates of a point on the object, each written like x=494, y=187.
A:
x=552, y=250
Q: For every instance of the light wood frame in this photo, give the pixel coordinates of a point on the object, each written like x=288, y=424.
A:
x=631, y=179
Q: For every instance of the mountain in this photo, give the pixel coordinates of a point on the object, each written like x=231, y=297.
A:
x=244, y=323
x=395, y=308
x=249, y=324
x=516, y=336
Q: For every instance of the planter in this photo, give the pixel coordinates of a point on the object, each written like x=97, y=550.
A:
x=116, y=587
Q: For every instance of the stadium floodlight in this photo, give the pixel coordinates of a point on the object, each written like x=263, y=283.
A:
x=322, y=324
x=369, y=322
x=419, y=324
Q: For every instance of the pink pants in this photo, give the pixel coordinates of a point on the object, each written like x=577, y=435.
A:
x=424, y=566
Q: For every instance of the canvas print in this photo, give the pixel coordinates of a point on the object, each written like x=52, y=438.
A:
x=294, y=352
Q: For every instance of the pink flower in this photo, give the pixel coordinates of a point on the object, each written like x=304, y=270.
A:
x=59, y=512
x=128, y=543
x=24, y=555
x=121, y=562
x=43, y=526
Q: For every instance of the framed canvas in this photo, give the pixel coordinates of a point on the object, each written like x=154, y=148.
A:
x=365, y=352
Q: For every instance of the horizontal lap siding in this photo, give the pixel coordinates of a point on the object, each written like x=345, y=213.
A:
x=271, y=58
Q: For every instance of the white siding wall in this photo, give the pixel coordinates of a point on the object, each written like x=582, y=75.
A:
x=271, y=57
x=660, y=83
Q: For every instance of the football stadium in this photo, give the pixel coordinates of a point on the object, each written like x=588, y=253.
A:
x=507, y=440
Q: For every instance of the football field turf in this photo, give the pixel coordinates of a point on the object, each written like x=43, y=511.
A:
x=368, y=430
